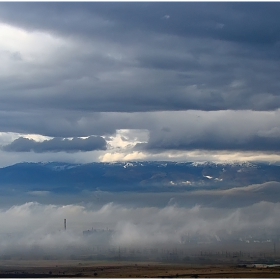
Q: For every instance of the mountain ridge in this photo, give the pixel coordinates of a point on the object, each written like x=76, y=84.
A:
x=136, y=175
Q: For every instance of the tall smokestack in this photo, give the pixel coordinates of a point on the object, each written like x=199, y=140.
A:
x=64, y=224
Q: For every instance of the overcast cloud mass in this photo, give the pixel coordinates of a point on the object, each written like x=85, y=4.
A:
x=139, y=80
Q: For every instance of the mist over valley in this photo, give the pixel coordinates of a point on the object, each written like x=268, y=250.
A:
x=138, y=217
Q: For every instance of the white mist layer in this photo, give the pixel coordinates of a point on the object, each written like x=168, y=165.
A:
x=36, y=230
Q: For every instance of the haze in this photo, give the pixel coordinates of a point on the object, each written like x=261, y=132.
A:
x=138, y=82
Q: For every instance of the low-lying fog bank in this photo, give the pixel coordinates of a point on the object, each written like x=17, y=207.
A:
x=34, y=230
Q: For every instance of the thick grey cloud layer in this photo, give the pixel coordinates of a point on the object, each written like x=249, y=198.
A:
x=56, y=145
x=220, y=130
x=146, y=57
x=100, y=67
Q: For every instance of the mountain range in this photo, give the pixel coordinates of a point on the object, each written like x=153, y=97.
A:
x=135, y=176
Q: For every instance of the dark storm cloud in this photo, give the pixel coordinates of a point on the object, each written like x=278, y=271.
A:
x=151, y=57
x=56, y=145
x=58, y=124
x=216, y=131
x=216, y=142
x=243, y=22
x=221, y=130
x=82, y=69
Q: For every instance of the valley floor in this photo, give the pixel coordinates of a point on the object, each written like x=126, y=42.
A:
x=84, y=269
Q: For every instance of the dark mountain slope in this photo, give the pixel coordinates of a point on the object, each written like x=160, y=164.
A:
x=135, y=176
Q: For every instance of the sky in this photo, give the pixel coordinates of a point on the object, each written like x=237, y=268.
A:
x=84, y=82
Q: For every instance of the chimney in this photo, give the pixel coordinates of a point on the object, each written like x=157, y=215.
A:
x=64, y=224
